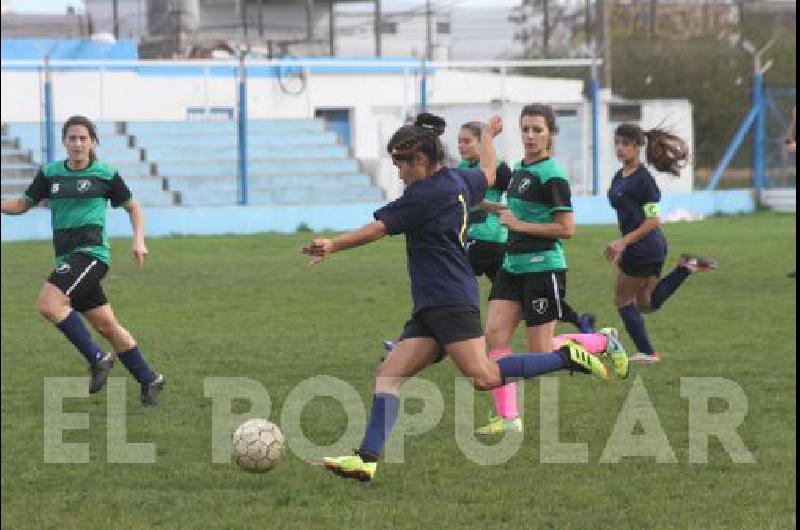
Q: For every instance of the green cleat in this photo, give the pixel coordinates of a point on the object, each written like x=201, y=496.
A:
x=351, y=467
x=580, y=360
x=499, y=425
x=616, y=352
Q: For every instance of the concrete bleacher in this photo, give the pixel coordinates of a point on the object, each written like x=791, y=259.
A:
x=195, y=163
x=22, y=155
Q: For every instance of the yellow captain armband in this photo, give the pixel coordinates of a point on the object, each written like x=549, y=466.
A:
x=651, y=209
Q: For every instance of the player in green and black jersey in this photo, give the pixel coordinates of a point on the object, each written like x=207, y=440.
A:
x=486, y=235
x=78, y=191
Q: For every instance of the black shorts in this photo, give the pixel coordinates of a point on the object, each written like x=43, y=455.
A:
x=446, y=325
x=485, y=257
x=541, y=294
x=79, y=278
x=639, y=269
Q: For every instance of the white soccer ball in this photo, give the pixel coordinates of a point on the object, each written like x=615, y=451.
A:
x=258, y=445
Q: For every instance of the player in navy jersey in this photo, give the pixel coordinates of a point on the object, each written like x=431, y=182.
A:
x=433, y=213
x=640, y=253
x=78, y=191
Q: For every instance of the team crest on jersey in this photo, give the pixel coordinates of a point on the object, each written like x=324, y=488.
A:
x=524, y=185
x=63, y=268
x=54, y=188
x=540, y=305
x=84, y=185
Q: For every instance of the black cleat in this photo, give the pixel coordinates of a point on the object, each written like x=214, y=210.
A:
x=149, y=396
x=99, y=373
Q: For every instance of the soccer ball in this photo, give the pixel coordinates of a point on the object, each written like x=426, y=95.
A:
x=258, y=445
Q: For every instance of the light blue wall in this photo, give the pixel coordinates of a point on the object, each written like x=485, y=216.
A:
x=173, y=220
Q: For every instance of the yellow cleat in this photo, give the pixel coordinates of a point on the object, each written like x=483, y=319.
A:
x=351, y=467
x=580, y=360
x=616, y=352
x=499, y=425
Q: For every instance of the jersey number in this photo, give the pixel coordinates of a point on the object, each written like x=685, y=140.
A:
x=465, y=216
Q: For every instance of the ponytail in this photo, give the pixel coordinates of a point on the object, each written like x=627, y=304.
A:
x=665, y=151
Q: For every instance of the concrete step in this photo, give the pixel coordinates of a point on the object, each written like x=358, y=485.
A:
x=281, y=196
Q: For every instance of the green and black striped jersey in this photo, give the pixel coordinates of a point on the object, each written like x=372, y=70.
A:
x=78, y=202
x=536, y=192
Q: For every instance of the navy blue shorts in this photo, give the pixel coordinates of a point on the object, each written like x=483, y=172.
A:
x=641, y=269
x=445, y=325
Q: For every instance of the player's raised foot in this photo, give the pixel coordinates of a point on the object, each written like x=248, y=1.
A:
x=500, y=425
x=616, y=352
x=351, y=466
x=580, y=360
x=586, y=322
x=698, y=263
x=645, y=358
x=99, y=373
x=150, y=392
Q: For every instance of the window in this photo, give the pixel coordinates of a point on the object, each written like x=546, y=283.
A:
x=622, y=112
x=388, y=28
x=443, y=28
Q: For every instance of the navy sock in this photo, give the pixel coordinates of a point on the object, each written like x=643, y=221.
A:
x=634, y=324
x=74, y=329
x=527, y=365
x=381, y=422
x=137, y=366
x=668, y=285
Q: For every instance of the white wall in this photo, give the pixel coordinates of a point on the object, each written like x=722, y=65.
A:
x=379, y=104
x=672, y=114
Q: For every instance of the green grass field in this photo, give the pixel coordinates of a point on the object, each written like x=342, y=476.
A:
x=250, y=307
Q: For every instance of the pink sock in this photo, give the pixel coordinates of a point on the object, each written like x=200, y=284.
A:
x=593, y=342
x=504, y=397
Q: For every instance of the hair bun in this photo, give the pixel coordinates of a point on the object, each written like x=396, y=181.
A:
x=431, y=122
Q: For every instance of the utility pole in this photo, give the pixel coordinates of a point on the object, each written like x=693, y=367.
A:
x=244, y=22
x=178, y=27
x=603, y=32
x=261, y=18
x=428, y=35
x=309, y=20
x=653, y=19
x=378, y=25
x=587, y=22
x=546, y=28
x=332, y=28
x=116, y=19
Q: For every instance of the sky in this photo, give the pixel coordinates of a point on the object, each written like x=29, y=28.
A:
x=60, y=6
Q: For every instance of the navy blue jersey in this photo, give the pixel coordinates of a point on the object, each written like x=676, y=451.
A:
x=635, y=198
x=433, y=215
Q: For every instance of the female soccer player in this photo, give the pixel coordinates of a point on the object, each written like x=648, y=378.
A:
x=486, y=235
x=432, y=213
x=640, y=253
x=78, y=191
x=531, y=285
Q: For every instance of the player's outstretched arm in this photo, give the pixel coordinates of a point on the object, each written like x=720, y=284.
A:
x=319, y=249
x=136, y=214
x=15, y=206
x=488, y=155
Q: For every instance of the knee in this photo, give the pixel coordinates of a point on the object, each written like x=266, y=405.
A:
x=50, y=309
x=496, y=337
x=486, y=381
x=383, y=383
x=106, y=327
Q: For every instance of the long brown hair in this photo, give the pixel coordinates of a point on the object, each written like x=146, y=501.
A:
x=86, y=122
x=665, y=150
